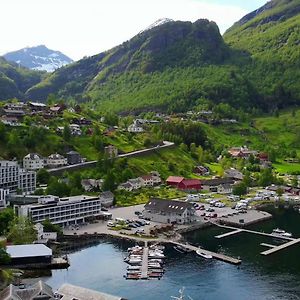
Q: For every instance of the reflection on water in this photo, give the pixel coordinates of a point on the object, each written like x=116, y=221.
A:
x=101, y=267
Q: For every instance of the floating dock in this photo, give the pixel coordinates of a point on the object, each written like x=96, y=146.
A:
x=228, y=234
x=144, y=269
x=215, y=255
x=280, y=247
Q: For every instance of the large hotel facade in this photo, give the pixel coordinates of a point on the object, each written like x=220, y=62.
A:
x=62, y=211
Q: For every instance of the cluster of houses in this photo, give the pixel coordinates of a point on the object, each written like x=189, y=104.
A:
x=149, y=180
x=13, y=113
x=34, y=161
x=138, y=125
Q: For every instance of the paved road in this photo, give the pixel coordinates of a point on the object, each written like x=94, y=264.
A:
x=92, y=163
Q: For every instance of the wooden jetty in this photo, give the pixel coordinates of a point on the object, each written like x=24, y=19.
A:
x=228, y=234
x=280, y=247
x=237, y=230
x=144, y=269
x=215, y=255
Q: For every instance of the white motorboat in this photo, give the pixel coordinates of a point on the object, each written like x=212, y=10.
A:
x=203, y=254
x=277, y=230
x=132, y=268
x=181, y=296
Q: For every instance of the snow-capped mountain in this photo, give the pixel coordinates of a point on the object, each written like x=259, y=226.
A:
x=39, y=58
x=159, y=22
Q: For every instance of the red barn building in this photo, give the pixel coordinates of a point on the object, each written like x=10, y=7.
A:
x=190, y=185
x=174, y=180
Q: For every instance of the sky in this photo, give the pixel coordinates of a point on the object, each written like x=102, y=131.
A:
x=81, y=28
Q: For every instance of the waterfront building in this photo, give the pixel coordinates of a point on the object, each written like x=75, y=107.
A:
x=33, y=161
x=29, y=254
x=169, y=211
x=68, y=291
x=174, y=180
x=37, y=291
x=62, y=211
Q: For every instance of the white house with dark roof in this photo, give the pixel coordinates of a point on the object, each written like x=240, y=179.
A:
x=56, y=160
x=33, y=161
x=169, y=211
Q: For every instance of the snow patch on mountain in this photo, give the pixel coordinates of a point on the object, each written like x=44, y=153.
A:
x=39, y=58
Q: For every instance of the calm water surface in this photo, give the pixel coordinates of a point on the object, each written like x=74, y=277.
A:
x=101, y=267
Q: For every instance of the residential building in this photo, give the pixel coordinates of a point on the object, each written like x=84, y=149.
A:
x=217, y=184
x=111, y=151
x=91, y=184
x=234, y=174
x=13, y=178
x=135, y=127
x=201, y=170
x=29, y=254
x=190, y=185
x=56, y=160
x=37, y=291
x=136, y=183
x=62, y=211
x=72, y=292
x=73, y=158
x=33, y=161
x=42, y=236
x=174, y=180
x=107, y=198
x=3, y=198
x=75, y=129
x=27, y=181
x=9, y=175
x=242, y=152
x=169, y=211
x=146, y=180
x=126, y=186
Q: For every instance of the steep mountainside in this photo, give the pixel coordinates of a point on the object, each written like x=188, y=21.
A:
x=173, y=65
x=39, y=58
x=180, y=65
x=15, y=80
x=271, y=35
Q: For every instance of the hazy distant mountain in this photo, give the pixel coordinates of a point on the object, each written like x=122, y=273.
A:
x=39, y=58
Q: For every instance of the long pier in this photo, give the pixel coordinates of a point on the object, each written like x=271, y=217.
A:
x=144, y=269
x=280, y=247
x=237, y=230
x=215, y=255
x=228, y=234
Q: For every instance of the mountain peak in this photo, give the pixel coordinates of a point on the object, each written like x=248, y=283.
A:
x=39, y=58
x=157, y=23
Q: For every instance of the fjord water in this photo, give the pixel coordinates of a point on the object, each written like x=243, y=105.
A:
x=101, y=267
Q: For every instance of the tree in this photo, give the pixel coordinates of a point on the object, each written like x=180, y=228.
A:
x=42, y=176
x=67, y=133
x=266, y=177
x=109, y=183
x=21, y=231
x=57, y=188
x=50, y=227
x=240, y=189
x=6, y=217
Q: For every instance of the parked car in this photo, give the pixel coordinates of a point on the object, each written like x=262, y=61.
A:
x=110, y=224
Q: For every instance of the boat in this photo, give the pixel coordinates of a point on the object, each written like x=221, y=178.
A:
x=203, y=254
x=133, y=261
x=129, y=268
x=281, y=233
x=181, y=296
x=277, y=230
x=179, y=249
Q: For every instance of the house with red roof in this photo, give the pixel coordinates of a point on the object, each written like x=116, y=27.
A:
x=174, y=180
x=190, y=185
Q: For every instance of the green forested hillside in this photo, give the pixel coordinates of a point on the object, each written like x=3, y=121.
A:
x=15, y=80
x=179, y=66
x=271, y=36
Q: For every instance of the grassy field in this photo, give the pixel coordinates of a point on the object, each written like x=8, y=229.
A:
x=142, y=196
x=287, y=168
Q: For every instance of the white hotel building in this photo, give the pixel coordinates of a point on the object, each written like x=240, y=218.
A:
x=13, y=178
x=62, y=211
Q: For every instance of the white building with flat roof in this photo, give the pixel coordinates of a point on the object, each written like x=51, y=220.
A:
x=62, y=211
x=13, y=178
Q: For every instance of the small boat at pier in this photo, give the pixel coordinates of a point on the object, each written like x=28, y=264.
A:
x=203, y=254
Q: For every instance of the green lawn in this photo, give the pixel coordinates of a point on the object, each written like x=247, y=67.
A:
x=287, y=168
